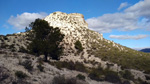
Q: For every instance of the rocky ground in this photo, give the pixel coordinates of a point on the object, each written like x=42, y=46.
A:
x=13, y=62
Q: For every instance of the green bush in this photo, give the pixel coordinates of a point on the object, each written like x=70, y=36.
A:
x=20, y=74
x=113, y=77
x=100, y=74
x=78, y=46
x=96, y=74
x=127, y=75
x=80, y=76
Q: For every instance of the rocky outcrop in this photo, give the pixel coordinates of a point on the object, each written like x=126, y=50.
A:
x=63, y=20
x=74, y=27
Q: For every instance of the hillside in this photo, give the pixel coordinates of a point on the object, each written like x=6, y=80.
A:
x=147, y=50
x=101, y=60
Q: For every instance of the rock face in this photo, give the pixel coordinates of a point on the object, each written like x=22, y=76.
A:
x=67, y=22
x=63, y=20
x=74, y=27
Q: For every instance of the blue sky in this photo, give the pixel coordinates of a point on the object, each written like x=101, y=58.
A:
x=126, y=22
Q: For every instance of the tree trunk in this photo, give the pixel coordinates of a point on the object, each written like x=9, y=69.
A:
x=45, y=57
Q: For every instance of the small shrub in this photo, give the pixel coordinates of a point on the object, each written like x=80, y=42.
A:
x=78, y=46
x=3, y=74
x=127, y=75
x=147, y=71
x=12, y=46
x=80, y=76
x=20, y=81
x=22, y=49
x=40, y=60
x=13, y=50
x=70, y=65
x=96, y=74
x=5, y=38
x=147, y=77
x=126, y=82
x=113, y=77
x=40, y=67
x=79, y=67
x=63, y=80
x=140, y=81
x=3, y=45
x=20, y=74
x=27, y=65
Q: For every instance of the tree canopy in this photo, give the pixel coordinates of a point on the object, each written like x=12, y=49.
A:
x=44, y=39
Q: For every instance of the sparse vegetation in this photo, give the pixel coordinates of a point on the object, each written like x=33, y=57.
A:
x=3, y=74
x=27, y=65
x=20, y=74
x=80, y=77
x=40, y=67
x=20, y=81
x=70, y=65
x=100, y=74
x=113, y=77
x=127, y=75
x=22, y=49
x=96, y=74
x=63, y=80
x=128, y=58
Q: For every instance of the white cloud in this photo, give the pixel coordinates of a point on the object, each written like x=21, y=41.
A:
x=136, y=37
x=123, y=5
x=141, y=8
x=128, y=20
x=24, y=19
x=107, y=22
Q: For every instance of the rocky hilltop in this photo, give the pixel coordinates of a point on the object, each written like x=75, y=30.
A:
x=68, y=23
x=100, y=62
x=63, y=20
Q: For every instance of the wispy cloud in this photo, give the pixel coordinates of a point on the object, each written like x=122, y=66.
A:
x=123, y=5
x=128, y=20
x=24, y=19
x=136, y=37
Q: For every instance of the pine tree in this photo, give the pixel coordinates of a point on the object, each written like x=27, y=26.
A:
x=45, y=39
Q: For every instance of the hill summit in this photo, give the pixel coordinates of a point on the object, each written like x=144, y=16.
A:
x=67, y=22
x=63, y=20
